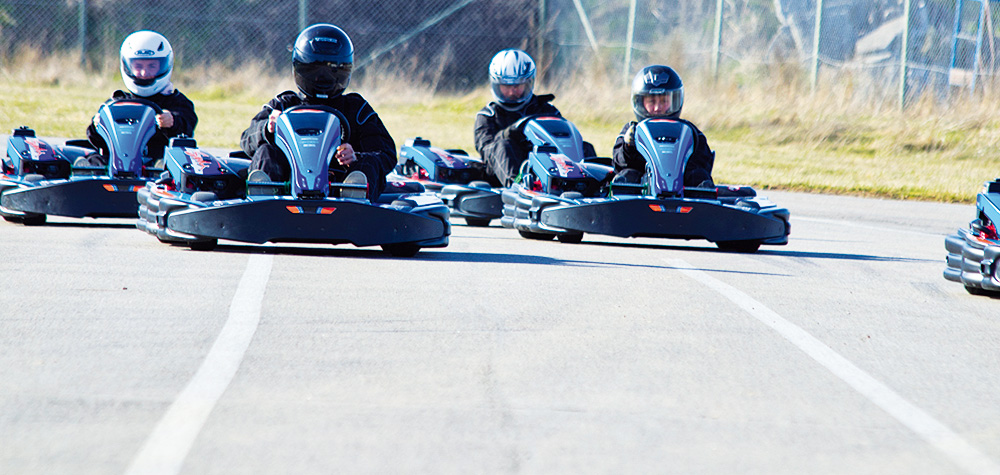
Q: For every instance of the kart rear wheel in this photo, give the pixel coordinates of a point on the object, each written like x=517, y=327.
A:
x=405, y=249
x=536, y=236
x=574, y=238
x=739, y=246
x=203, y=245
x=478, y=222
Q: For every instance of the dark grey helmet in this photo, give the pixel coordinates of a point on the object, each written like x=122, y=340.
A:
x=657, y=80
x=323, y=57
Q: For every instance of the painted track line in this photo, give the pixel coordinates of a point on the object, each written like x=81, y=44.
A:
x=839, y=222
x=171, y=440
x=952, y=445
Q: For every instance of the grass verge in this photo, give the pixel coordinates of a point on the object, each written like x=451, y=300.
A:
x=767, y=137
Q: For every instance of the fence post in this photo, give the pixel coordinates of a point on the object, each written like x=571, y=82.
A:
x=816, y=37
x=903, y=54
x=629, y=37
x=717, y=42
x=303, y=8
x=540, y=39
x=81, y=29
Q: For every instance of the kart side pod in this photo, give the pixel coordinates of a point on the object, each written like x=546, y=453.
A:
x=27, y=154
x=194, y=170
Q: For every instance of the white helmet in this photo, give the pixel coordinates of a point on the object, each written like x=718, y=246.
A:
x=149, y=51
x=512, y=67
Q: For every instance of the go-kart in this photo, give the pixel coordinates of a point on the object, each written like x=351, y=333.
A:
x=973, y=252
x=560, y=194
x=456, y=177
x=39, y=179
x=202, y=199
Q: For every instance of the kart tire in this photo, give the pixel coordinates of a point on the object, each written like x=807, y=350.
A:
x=203, y=245
x=405, y=249
x=981, y=291
x=11, y=219
x=572, y=238
x=747, y=247
x=33, y=220
x=536, y=236
x=478, y=222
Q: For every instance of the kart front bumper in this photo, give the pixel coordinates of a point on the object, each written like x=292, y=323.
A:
x=332, y=221
x=95, y=197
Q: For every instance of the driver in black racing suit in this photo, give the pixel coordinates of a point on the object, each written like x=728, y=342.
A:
x=657, y=91
x=146, y=63
x=323, y=58
x=501, y=145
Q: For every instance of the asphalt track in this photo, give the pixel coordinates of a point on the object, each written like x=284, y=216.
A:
x=842, y=352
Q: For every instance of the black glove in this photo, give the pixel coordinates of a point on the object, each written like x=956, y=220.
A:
x=517, y=138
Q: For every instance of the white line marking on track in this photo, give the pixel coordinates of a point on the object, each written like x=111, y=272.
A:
x=931, y=430
x=840, y=222
x=168, y=445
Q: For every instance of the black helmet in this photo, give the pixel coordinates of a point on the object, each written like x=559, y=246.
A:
x=657, y=80
x=322, y=58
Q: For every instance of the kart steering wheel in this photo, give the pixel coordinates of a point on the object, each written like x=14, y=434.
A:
x=345, y=128
x=146, y=102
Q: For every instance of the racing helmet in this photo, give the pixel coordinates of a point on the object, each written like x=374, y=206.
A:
x=322, y=58
x=512, y=67
x=657, y=80
x=146, y=62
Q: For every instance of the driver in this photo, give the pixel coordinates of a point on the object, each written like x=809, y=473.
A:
x=501, y=145
x=657, y=91
x=322, y=60
x=146, y=63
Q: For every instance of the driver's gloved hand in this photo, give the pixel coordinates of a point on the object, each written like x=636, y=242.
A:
x=630, y=135
x=516, y=137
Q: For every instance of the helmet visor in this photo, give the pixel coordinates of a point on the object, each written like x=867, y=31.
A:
x=145, y=71
x=658, y=103
x=322, y=77
x=514, y=92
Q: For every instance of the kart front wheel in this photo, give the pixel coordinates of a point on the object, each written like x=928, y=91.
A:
x=402, y=249
x=981, y=291
x=537, y=236
x=33, y=220
x=478, y=222
x=570, y=238
x=203, y=245
x=739, y=246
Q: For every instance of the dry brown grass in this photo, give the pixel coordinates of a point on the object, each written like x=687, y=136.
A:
x=775, y=133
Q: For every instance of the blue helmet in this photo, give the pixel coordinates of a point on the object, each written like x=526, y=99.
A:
x=322, y=58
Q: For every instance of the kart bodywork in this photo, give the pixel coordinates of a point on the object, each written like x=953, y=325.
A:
x=203, y=198
x=39, y=179
x=560, y=194
x=456, y=177
x=973, y=252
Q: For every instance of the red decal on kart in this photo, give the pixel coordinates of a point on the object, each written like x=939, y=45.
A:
x=198, y=159
x=565, y=165
x=39, y=150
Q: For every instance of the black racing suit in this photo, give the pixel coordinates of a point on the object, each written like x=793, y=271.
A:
x=375, y=151
x=630, y=164
x=501, y=153
x=184, y=122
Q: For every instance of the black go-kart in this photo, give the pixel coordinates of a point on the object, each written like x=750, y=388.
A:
x=973, y=251
x=559, y=194
x=201, y=198
x=455, y=176
x=39, y=179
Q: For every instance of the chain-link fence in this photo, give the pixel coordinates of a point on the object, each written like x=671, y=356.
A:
x=941, y=45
